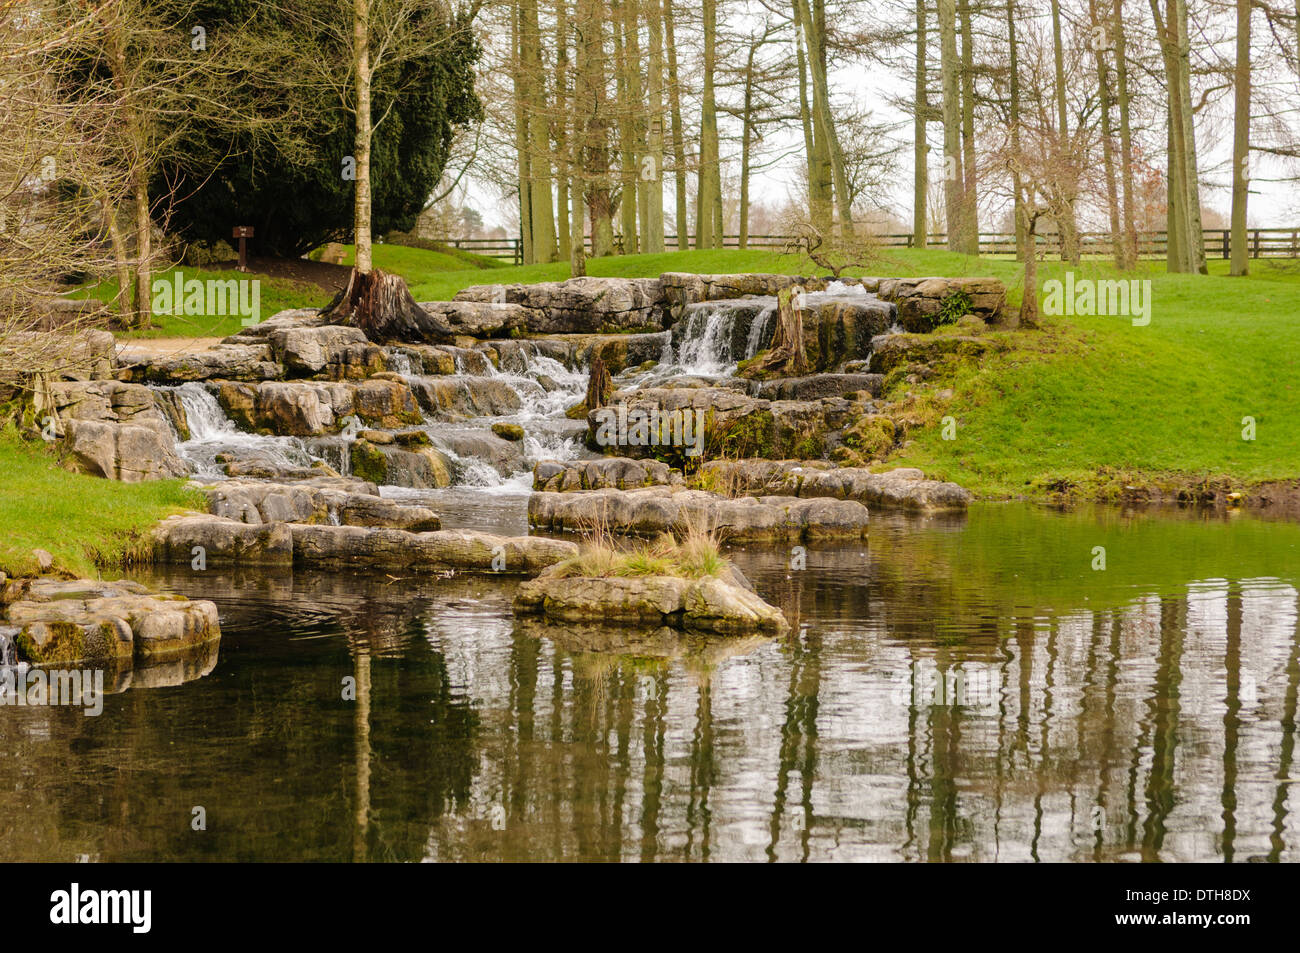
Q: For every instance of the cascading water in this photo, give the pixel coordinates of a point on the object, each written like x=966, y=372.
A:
x=716, y=335
x=212, y=433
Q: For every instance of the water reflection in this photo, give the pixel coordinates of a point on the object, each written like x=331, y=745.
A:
x=964, y=690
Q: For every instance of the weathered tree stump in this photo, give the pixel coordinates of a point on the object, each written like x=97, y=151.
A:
x=380, y=305
x=786, y=352
x=600, y=386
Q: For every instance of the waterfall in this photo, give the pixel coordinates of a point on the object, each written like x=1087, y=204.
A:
x=8, y=651
x=212, y=434
x=715, y=335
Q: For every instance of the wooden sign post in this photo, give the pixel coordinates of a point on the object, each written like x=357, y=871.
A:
x=243, y=233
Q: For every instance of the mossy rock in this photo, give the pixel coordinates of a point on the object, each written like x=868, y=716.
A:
x=578, y=411
x=508, y=431
x=369, y=462
x=69, y=643
x=868, y=438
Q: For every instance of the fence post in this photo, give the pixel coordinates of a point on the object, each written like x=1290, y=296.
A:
x=1227, y=243
x=1256, y=251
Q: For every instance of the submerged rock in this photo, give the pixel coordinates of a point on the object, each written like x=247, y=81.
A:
x=711, y=604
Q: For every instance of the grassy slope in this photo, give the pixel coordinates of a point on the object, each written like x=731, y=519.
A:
x=80, y=520
x=276, y=294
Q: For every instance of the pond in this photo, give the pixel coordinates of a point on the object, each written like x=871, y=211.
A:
x=974, y=688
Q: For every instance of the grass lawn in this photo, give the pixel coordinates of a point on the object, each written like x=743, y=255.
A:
x=82, y=521
x=276, y=294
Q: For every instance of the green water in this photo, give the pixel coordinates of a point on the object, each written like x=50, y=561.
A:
x=956, y=690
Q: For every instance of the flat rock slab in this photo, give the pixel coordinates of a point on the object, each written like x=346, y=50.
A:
x=317, y=501
x=619, y=473
x=711, y=604
x=462, y=550
x=80, y=622
x=650, y=511
x=902, y=488
x=578, y=305
x=226, y=542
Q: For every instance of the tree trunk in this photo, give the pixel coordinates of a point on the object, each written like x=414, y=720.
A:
x=380, y=305
x=1241, y=142
x=709, y=208
x=970, y=206
x=1028, y=317
x=143, y=252
x=564, y=167
x=821, y=169
x=952, y=161
x=121, y=264
x=361, y=222
x=640, y=125
x=1107, y=145
x=654, y=186
x=817, y=210
x=786, y=352
x=541, y=212
x=1017, y=211
x=627, y=172
x=920, y=171
x=1067, y=223
x=1125, y=137
x=1195, y=236
x=746, y=130
x=679, y=134
x=600, y=387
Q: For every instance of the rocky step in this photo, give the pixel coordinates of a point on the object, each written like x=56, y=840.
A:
x=345, y=502
x=646, y=422
x=224, y=542
x=652, y=510
x=82, y=622
x=903, y=488
x=576, y=306
x=710, y=604
x=619, y=473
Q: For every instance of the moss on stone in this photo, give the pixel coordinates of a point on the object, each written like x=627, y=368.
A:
x=369, y=462
x=508, y=431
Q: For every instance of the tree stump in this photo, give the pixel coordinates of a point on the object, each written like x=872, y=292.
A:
x=786, y=352
x=600, y=386
x=380, y=305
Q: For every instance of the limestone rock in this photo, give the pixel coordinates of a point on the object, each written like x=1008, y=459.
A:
x=711, y=604
x=221, y=541
x=462, y=550
x=84, y=622
x=652, y=510
x=580, y=305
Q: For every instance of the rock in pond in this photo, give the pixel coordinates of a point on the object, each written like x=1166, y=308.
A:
x=344, y=501
x=77, y=622
x=904, y=487
x=462, y=550
x=652, y=510
x=710, y=604
x=228, y=542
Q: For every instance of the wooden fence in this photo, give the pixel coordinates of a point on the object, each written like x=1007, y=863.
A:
x=1263, y=243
